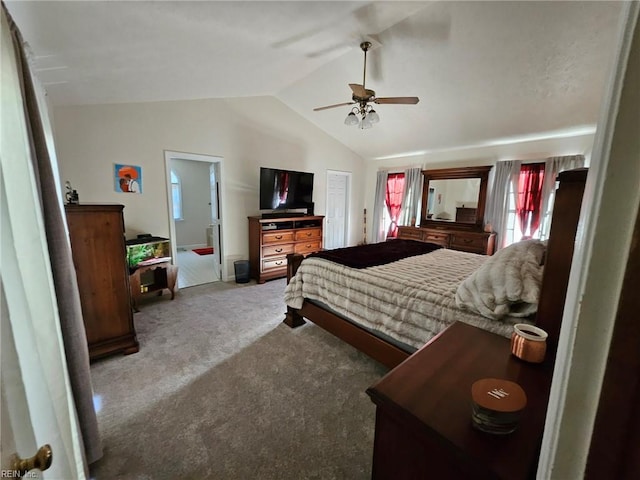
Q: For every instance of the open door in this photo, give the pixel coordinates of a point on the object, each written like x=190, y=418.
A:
x=213, y=233
x=195, y=218
x=36, y=400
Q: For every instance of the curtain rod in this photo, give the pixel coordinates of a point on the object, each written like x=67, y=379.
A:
x=399, y=168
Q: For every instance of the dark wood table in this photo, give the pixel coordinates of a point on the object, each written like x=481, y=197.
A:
x=423, y=416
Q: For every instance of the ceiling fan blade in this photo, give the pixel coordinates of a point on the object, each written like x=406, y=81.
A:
x=333, y=106
x=358, y=90
x=397, y=100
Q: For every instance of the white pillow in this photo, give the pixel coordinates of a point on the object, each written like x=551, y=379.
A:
x=508, y=283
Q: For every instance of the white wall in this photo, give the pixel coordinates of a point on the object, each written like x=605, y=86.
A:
x=246, y=132
x=478, y=156
x=609, y=213
x=196, y=195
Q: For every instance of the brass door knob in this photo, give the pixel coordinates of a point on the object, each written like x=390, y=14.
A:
x=41, y=460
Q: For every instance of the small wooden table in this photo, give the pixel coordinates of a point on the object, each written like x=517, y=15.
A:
x=152, y=278
x=423, y=415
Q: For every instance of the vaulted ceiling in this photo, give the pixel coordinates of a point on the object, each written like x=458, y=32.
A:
x=484, y=71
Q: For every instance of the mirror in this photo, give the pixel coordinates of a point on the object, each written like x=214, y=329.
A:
x=455, y=196
x=454, y=200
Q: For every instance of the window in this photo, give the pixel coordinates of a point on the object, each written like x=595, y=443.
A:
x=176, y=193
x=393, y=202
x=529, y=217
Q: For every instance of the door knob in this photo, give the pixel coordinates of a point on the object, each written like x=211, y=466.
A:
x=41, y=460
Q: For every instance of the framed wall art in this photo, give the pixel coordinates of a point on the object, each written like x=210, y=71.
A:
x=128, y=178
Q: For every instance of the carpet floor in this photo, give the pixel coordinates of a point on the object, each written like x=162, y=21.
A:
x=221, y=389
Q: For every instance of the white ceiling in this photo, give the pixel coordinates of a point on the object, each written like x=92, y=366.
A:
x=484, y=71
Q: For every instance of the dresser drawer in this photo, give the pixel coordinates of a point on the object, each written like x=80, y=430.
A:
x=308, y=234
x=410, y=233
x=271, y=250
x=436, y=237
x=468, y=243
x=308, y=247
x=278, y=237
x=274, y=263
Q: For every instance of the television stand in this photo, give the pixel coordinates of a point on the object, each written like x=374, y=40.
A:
x=270, y=240
x=284, y=215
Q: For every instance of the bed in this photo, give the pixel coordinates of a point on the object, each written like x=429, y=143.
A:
x=389, y=310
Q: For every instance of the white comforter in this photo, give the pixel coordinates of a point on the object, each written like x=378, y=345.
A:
x=410, y=300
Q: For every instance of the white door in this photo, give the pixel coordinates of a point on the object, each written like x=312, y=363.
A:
x=337, y=209
x=36, y=396
x=13, y=395
x=37, y=406
x=214, y=227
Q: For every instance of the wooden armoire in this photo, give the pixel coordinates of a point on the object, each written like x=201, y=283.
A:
x=98, y=246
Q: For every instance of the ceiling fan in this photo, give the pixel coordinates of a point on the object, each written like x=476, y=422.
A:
x=363, y=97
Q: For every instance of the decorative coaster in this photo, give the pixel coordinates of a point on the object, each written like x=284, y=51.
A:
x=496, y=405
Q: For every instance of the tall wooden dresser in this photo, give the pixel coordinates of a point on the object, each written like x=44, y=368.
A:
x=271, y=239
x=98, y=247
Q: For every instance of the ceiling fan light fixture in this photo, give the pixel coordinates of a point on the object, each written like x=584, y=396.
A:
x=351, y=119
x=363, y=114
x=366, y=122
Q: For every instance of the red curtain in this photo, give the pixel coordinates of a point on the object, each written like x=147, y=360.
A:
x=529, y=198
x=395, y=189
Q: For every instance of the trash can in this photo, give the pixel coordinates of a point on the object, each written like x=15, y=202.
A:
x=241, y=268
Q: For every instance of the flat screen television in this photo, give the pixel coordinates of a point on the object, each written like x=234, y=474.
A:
x=283, y=189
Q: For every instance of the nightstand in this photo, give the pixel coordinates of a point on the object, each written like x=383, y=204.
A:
x=423, y=415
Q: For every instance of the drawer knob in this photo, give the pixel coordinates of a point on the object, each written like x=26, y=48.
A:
x=308, y=246
x=279, y=262
x=278, y=250
x=279, y=237
x=309, y=234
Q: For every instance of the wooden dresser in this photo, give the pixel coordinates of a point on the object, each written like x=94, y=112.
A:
x=271, y=239
x=98, y=247
x=423, y=415
x=465, y=240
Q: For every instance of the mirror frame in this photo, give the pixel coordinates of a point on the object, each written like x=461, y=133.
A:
x=451, y=174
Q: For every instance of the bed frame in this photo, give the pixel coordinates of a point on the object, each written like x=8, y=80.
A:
x=566, y=214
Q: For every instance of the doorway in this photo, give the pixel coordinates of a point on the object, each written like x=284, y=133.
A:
x=337, y=214
x=195, y=216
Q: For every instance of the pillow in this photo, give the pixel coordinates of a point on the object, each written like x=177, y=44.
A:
x=508, y=283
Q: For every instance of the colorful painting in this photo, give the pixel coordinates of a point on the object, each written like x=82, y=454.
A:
x=128, y=178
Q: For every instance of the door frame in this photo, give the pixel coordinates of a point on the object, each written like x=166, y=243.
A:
x=173, y=155
x=347, y=210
